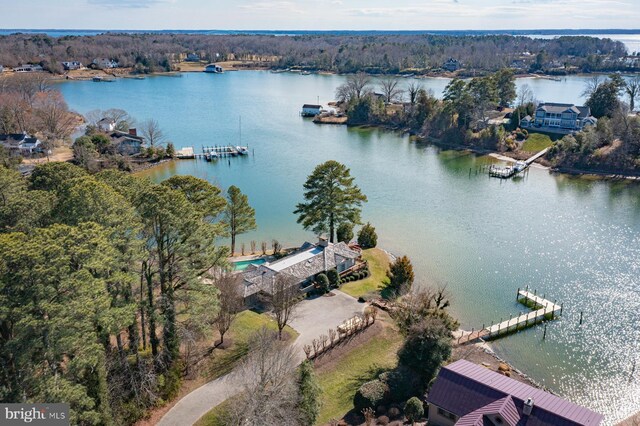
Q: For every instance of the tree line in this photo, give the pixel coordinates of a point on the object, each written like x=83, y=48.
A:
x=105, y=281
x=384, y=53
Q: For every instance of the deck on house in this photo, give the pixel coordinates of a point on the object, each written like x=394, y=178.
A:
x=543, y=309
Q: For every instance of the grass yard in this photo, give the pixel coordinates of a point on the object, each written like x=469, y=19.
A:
x=242, y=328
x=378, y=264
x=536, y=142
x=217, y=416
x=340, y=379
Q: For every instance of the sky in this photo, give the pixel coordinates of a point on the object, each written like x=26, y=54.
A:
x=320, y=14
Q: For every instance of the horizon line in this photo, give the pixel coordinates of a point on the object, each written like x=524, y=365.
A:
x=601, y=30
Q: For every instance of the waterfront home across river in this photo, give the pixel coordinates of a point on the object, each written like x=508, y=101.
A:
x=310, y=110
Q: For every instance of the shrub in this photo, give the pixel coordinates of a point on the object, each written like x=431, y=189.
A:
x=402, y=383
x=414, y=409
x=361, y=299
x=344, y=233
x=394, y=412
x=334, y=277
x=401, y=275
x=323, y=281
x=370, y=395
x=367, y=237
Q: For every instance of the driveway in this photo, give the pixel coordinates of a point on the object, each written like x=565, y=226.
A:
x=316, y=316
x=313, y=317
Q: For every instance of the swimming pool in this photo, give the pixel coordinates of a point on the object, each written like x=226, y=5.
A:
x=242, y=264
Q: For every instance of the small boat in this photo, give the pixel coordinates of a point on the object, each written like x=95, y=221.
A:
x=213, y=156
x=97, y=79
x=207, y=156
x=305, y=73
x=242, y=150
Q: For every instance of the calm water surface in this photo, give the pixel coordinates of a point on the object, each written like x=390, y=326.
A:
x=576, y=240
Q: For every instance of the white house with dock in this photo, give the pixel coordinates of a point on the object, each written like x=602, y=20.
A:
x=559, y=118
x=310, y=110
x=213, y=69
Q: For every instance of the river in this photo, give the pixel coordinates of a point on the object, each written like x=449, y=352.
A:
x=576, y=240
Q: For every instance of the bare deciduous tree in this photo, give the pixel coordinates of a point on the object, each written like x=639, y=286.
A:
x=269, y=393
x=632, y=87
x=284, y=298
x=592, y=85
x=152, y=132
x=357, y=86
x=525, y=95
x=230, y=302
x=390, y=89
x=413, y=89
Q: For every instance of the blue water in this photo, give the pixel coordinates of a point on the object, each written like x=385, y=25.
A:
x=241, y=265
x=575, y=240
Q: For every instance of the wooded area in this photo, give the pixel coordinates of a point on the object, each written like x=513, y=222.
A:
x=386, y=53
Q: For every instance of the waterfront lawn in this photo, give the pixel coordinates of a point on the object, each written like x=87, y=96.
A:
x=536, y=142
x=236, y=344
x=339, y=379
x=378, y=261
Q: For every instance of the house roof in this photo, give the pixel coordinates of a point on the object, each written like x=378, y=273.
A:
x=311, y=106
x=463, y=388
x=505, y=408
x=309, y=260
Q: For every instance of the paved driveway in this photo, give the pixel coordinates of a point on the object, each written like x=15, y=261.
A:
x=313, y=318
x=316, y=316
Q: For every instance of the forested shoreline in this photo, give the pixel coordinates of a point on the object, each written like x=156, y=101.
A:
x=375, y=54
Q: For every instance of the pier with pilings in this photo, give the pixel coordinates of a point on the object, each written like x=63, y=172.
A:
x=542, y=310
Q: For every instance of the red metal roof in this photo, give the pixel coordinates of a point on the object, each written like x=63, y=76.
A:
x=463, y=387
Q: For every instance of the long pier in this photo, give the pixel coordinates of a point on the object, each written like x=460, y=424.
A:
x=520, y=166
x=212, y=152
x=543, y=309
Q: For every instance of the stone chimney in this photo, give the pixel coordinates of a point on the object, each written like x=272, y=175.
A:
x=323, y=241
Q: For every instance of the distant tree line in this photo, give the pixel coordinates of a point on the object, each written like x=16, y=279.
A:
x=374, y=54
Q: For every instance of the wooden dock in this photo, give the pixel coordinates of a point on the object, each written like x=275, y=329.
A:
x=543, y=309
x=210, y=153
x=520, y=166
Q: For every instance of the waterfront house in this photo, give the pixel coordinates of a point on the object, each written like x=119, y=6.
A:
x=21, y=143
x=213, y=69
x=105, y=63
x=303, y=265
x=106, y=125
x=310, y=110
x=559, y=118
x=71, y=65
x=192, y=57
x=127, y=143
x=452, y=65
x=28, y=68
x=467, y=394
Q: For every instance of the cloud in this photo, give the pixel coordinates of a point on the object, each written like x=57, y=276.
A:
x=270, y=6
x=133, y=4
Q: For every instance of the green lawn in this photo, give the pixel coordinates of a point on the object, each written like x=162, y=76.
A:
x=242, y=328
x=378, y=264
x=340, y=380
x=536, y=142
x=217, y=416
